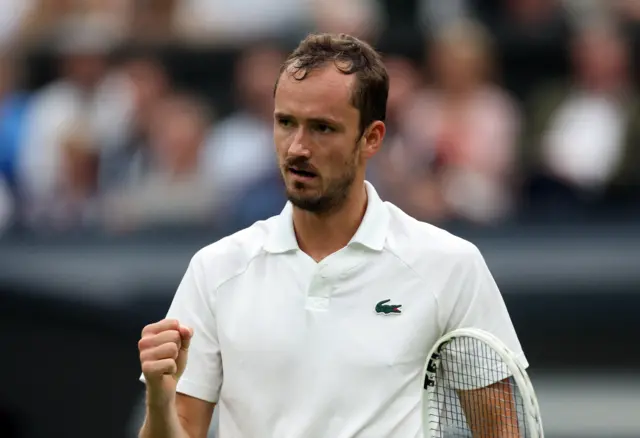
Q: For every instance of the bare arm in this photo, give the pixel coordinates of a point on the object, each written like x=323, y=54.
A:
x=491, y=411
x=188, y=418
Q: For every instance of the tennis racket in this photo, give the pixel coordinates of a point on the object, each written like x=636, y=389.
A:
x=475, y=387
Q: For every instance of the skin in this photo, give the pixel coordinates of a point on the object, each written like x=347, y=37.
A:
x=164, y=347
x=491, y=411
x=316, y=128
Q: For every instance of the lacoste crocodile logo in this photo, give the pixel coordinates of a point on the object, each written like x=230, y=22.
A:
x=388, y=309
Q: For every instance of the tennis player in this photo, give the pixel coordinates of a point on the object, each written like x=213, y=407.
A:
x=317, y=322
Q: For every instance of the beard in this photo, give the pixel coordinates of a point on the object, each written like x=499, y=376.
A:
x=327, y=199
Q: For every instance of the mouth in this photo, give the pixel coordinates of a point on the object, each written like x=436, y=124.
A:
x=302, y=174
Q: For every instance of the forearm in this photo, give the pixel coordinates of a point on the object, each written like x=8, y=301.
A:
x=491, y=411
x=162, y=422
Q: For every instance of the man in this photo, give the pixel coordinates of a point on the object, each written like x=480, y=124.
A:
x=317, y=322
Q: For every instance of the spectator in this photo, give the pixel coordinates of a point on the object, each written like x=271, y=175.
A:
x=240, y=150
x=405, y=81
x=40, y=19
x=152, y=21
x=176, y=188
x=13, y=14
x=531, y=37
x=628, y=9
x=7, y=205
x=260, y=200
x=71, y=202
x=144, y=84
x=13, y=107
x=455, y=159
x=74, y=203
x=361, y=18
x=435, y=14
x=583, y=10
x=77, y=98
x=236, y=23
x=228, y=23
x=583, y=136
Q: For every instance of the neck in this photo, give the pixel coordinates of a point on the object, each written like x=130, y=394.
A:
x=322, y=235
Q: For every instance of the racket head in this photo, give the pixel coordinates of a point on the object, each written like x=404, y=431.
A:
x=463, y=362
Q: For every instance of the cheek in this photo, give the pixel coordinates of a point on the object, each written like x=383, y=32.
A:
x=336, y=162
x=280, y=141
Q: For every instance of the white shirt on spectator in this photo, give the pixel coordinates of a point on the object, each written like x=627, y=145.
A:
x=584, y=144
x=239, y=20
x=54, y=112
x=12, y=15
x=239, y=152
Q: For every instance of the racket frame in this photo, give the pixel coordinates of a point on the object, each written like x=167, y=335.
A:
x=533, y=419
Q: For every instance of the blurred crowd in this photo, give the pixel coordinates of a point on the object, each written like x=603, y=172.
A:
x=499, y=110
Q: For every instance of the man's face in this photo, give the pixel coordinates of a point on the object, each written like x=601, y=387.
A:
x=317, y=138
x=600, y=58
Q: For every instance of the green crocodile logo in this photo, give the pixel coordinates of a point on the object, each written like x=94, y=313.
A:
x=388, y=309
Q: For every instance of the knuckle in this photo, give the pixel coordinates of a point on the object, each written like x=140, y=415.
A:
x=172, y=323
x=145, y=356
x=147, y=368
x=173, y=350
x=175, y=336
x=147, y=342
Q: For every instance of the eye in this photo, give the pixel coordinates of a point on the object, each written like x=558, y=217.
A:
x=323, y=128
x=284, y=122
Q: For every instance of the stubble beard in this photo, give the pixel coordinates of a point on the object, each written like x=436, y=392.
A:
x=330, y=199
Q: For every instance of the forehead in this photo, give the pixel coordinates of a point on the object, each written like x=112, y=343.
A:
x=323, y=92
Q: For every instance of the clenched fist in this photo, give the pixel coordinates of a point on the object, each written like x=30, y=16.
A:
x=163, y=356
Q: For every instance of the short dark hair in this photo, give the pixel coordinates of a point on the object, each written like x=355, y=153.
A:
x=350, y=55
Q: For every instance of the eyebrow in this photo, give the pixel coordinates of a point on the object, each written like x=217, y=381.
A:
x=318, y=120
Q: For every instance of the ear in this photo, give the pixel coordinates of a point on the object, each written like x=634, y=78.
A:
x=372, y=139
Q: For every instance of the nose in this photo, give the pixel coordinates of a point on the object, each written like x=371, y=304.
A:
x=299, y=146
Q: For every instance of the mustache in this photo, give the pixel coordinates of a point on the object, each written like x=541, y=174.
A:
x=300, y=163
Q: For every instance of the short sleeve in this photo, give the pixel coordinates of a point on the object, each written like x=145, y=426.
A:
x=473, y=300
x=194, y=306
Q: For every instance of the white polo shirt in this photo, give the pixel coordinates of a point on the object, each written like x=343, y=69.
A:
x=291, y=348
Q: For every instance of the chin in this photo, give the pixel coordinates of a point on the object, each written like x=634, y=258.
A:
x=312, y=204
x=301, y=190
x=315, y=203
x=295, y=184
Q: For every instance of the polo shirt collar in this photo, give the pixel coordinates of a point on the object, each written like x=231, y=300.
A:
x=371, y=233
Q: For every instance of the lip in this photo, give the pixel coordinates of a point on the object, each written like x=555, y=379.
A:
x=299, y=177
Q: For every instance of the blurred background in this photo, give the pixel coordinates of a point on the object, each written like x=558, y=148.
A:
x=134, y=132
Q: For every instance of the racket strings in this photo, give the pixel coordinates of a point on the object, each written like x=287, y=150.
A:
x=475, y=394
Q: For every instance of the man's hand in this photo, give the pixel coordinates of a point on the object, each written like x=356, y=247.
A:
x=163, y=356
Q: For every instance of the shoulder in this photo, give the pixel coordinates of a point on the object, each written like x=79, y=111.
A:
x=230, y=256
x=52, y=103
x=427, y=248
x=55, y=92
